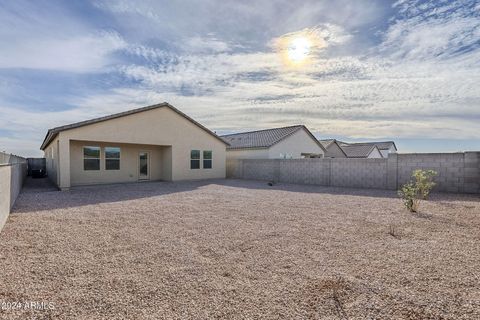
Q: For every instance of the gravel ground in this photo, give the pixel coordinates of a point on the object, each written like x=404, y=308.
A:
x=239, y=250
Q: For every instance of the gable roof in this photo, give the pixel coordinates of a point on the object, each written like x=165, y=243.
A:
x=52, y=133
x=328, y=142
x=385, y=145
x=381, y=145
x=358, y=150
x=266, y=138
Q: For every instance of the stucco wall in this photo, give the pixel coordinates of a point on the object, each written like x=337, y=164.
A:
x=375, y=154
x=457, y=172
x=163, y=127
x=12, y=177
x=129, y=163
x=51, y=156
x=247, y=154
x=294, y=145
x=334, y=151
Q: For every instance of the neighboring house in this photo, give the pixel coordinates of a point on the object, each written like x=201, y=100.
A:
x=341, y=149
x=292, y=142
x=157, y=142
x=361, y=151
x=385, y=147
x=333, y=149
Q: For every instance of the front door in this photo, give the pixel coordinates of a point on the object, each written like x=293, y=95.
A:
x=143, y=169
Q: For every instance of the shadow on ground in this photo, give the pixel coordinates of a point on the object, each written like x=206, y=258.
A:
x=41, y=194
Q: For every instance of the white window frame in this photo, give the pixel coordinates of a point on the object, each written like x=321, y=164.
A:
x=106, y=159
x=91, y=158
x=199, y=159
x=210, y=159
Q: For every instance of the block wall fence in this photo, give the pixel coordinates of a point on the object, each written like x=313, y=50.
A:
x=13, y=171
x=457, y=172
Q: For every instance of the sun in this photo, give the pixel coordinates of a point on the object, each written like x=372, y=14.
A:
x=298, y=49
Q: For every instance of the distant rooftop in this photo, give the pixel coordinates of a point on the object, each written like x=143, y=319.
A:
x=260, y=138
x=381, y=145
x=263, y=138
x=358, y=150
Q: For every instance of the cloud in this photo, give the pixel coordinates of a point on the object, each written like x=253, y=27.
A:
x=404, y=71
x=205, y=45
x=48, y=36
x=429, y=31
x=89, y=53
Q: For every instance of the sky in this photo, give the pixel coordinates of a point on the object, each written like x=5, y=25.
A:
x=406, y=70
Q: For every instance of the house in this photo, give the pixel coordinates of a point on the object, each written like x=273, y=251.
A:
x=157, y=142
x=385, y=147
x=291, y=142
x=359, y=150
x=334, y=150
x=340, y=149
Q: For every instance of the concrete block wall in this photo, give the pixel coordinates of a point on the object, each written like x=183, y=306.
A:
x=359, y=173
x=234, y=169
x=472, y=172
x=12, y=177
x=259, y=169
x=304, y=171
x=6, y=158
x=457, y=172
x=449, y=167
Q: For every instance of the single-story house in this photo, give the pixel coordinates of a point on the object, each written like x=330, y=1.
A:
x=385, y=147
x=361, y=151
x=334, y=150
x=157, y=142
x=340, y=149
x=293, y=142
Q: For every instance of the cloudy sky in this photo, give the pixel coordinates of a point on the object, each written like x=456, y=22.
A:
x=406, y=70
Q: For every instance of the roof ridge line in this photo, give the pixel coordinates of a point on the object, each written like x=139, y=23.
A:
x=232, y=134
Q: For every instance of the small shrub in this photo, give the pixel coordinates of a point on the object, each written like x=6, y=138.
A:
x=410, y=195
x=416, y=190
x=424, y=181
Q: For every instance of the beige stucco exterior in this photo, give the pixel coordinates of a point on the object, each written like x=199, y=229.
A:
x=165, y=134
x=334, y=151
x=51, y=159
x=292, y=147
x=248, y=154
x=375, y=154
x=386, y=152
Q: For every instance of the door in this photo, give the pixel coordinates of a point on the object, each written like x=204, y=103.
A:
x=143, y=166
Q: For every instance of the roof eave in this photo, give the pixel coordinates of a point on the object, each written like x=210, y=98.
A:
x=308, y=132
x=51, y=133
x=246, y=148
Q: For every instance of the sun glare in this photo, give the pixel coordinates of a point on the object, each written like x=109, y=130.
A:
x=298, y=49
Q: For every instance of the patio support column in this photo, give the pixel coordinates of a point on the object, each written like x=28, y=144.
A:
x=64, y=164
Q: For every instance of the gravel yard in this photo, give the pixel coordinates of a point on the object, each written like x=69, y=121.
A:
x=239, y=250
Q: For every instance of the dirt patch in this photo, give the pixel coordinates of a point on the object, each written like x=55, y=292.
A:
x=240, y=249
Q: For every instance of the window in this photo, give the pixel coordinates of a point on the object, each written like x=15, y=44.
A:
x=207, y=159
x=91, y=158
x=112, y=158
x=195, y=159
